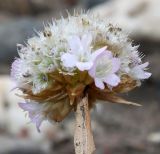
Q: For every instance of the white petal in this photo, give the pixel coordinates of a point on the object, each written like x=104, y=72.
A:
x=138, y=72
x=99, y=83
x=141, y=74
x=69, y=60
x=86, y=40
x=147, y=75
x=74, y=43
x=142, y=66
x=116, y=64
x=92, y=71
x=84, y=65
x=112, y=80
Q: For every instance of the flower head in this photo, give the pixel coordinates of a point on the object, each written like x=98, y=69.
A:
x=73, y=57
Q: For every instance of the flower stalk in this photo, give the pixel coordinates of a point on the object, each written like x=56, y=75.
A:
x=83, y=137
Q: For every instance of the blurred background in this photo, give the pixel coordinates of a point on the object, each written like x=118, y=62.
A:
x=117, y=129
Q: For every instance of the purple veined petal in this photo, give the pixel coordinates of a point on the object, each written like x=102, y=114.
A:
x=99, y=52
x=35, y=112
x=112, y=80
x=107, y=53
x=82, y=66
x=74, y=43
x=69, y=60
x=115, y=64
x=96, y=56
x=30, y=107
x=37, y=119
x=38, y=124
x=25, y=106
x=99, y=83
x=92, y=71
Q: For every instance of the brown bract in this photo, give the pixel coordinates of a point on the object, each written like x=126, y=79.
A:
x=65, y=91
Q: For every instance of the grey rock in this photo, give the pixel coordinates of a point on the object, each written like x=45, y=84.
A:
x=140, y=17
x=92, y=3
x=13, y=32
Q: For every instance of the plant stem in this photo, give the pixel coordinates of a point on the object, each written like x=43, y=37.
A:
x=83, y=138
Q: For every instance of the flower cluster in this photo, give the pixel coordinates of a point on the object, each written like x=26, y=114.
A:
x=72, y=57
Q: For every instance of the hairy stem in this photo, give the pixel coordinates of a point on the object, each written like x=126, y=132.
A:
x=83, y=138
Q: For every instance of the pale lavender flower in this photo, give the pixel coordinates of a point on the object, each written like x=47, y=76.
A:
x=80, y=54
x=138, y=71
x=19, y=71
x=16, y=69
x=36, y=112
x=104, y=69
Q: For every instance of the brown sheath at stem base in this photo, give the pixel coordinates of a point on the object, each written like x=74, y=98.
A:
x=83, y=138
